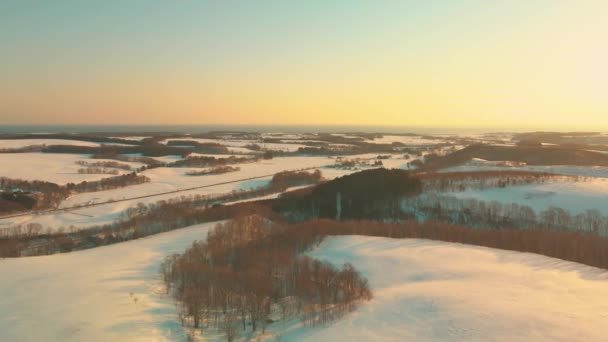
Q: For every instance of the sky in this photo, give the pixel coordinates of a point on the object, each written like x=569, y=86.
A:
x=538, y=64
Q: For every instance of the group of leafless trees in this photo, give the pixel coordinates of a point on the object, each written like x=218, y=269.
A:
x=46, y=195
x=207, y=161
x=461, y=181
x=143, y=220
x=98, y=171
x=105, y=164
x=481, y=214
x=248, y=274
x=287, y=179
x=214, y=170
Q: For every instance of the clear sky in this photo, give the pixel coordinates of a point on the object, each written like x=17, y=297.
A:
x=453, y=63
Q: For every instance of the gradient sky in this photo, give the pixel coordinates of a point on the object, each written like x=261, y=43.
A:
x=512, y=64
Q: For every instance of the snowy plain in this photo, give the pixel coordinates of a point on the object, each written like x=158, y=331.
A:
x=573, y=196
x=437, y=291
x=51, y=167
x=161, y=180
x=423, y=291
x=17, y=143
x=571, y=170
x=110, y=293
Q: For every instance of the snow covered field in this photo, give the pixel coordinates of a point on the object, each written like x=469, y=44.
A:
x=164, y=180
x=590, y=171
x=437, y=291
x=574, y=197
x=238, y=145
x=17, y=143
x=423, y=291
x=51, y=167
x=407, y=140
x=109, y=293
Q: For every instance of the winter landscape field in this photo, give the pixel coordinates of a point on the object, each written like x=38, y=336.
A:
x=98, y=251
x=267, y=170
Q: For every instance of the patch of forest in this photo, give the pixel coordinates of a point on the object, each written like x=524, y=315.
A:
x=249, y=273
x=369, y=194
x=215, y=170
x=208, y=161
x=532, y=155
x=75, y=137
x=152, y=150
x=41, y=195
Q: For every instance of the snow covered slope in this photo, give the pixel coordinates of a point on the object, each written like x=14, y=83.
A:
x=574, y=197
x=57, y=168
x=108, y=293
x=423, y=291
x=437, y=291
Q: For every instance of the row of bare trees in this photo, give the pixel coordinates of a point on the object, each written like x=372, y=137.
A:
x=581, y=247
x=248, y=274
x=98, y=171
x=105, y=164
x=461, y=181
x=215, y=170
x=46, y=195
x=477, y=213
x=138, y=221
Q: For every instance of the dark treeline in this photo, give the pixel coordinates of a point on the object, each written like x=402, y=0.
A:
x=76, y=137
x=206, y=147
x=46, y=195
x=152, y=150
x=248, y=273
x=105, y=164
x=214, y=170
x=460, y=181
x=532, y=155
x=370, y=194
x=207, y=161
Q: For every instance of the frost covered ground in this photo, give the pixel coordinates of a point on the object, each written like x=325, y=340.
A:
x=423, y=291
x=51, y=167
x=573, y=170
x=17, y=143
x=574, y=197
x=437, y=291
x=162, y=179
x=109, y=293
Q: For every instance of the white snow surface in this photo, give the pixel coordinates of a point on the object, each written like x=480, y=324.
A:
x=164, y=179
x=573, y=170
x=438, y=291
x=406, y=139
x=423, y=291
x=57, y=168
x=572, y=196
x=17, y=143
x=110, y=293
